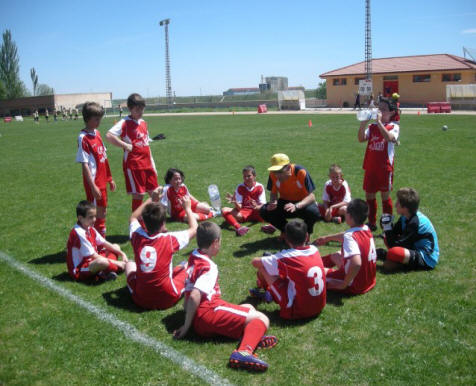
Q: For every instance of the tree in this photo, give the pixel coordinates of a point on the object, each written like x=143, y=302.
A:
x=321, y=91
x=34, y=80
x=9, y=68
x=44, y=89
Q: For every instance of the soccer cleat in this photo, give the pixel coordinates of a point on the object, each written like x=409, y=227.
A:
x=267, y=341
x=215, y=213
x=270, y=229
x=241, y=231
x=337, y=220
x=110, y=276
x=262, y=295
x=247, y=361
x=372, y=227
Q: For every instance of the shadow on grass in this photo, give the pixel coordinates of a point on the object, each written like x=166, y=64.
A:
x=121, y=298
x=269, y=243
x=55, y=258
x=64, y=277
x=403, y=269
x=117, y=239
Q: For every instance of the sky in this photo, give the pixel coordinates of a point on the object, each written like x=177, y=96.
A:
x=119, y=47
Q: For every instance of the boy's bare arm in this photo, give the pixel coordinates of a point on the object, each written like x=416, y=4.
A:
x=389, y=137
x=361, y=133
x=354, y=267
x=89, y=178
x=114, y=248
x=138, y=212
x=191, y=306
x=192, y=221
x=116, y=141
x=339, y=237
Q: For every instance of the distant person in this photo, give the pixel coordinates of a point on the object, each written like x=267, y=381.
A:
x=75, y=110
x=120, y=111
x=131, y=134
x=47, y=115
x=291, y=195
x=152, y=280
x=248, y=199
x=381, y=138
x=352, y=270
x=335, y=196
x=412, y=241
x=83, y=259
x=210, y=315
x=295, y=277
x=379, y=97
x=371, y=102
x=36, y=117
x=357, y=101
x=55, y=115
x=95, y=166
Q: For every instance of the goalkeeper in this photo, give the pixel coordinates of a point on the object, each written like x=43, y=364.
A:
x=412, y=240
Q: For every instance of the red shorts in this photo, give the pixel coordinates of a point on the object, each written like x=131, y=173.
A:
x=322, y=211
x=250, y=214
x=82, y=272
x=140, y=181
x=90, y=197
x=220, y=318
x=381, y=181
x=279, y=291
x=179, y=215
x=158, y=298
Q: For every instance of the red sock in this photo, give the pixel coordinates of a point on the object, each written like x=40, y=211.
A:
x=327, y=261
x=387, y=206
x=254, y=330
x=100, y=226
x=396, y=254
x=230, y=219
x=202, y=216
x=136, y=203
x=372, y=211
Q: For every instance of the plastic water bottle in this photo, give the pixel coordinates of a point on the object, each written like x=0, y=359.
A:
x=214, y=195
x=367, y=114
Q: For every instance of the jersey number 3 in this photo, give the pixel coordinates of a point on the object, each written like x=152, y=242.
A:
x=316, y=273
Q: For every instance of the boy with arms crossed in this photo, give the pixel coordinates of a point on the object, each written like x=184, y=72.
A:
x=132, y=136
x=295, y=277
x=210, y=315
x=356, y=261
x=95, y=166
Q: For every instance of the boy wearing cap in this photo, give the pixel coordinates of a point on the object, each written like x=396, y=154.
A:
x=291, y=195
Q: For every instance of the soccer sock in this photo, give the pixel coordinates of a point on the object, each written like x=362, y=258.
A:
x=327, y=261
x=387, y=206
x=396, y=254
x=230, y=219
x=372, y=211
x=100, y=226
x=203, y=216
x=136, y=203
x=254, y=330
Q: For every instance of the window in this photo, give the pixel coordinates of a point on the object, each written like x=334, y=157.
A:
x=339, y=81
x=390, y=77
x=450, y=77
x=421, y=78
x=357, y=80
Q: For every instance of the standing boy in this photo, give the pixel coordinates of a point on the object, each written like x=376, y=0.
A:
x=379, y=158
x=132, y=136
x=152, y=279
x=295, y=277
x=95, y=166
x=356, y=262
x=83, y=260
x=211, y=315
x=412, y=241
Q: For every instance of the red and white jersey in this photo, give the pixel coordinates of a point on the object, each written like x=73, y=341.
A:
x=135, y=133
x=359, y=241
x=379, y=154
x=91, y=150
x=306, y=281
x=171, y=198
x=333, y=196
x=82, y=243
x=203, y=275
x=244, y=195
x=154, y=259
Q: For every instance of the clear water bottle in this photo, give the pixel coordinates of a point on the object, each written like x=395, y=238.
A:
x=367, y=114
x=214, y=195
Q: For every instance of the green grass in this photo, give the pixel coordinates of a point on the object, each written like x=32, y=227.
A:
x=415, y=327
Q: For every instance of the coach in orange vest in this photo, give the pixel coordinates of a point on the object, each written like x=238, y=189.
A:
x=291, y=195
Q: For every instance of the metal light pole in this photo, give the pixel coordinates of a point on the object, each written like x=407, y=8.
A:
x=168, y=82
x=368, y=41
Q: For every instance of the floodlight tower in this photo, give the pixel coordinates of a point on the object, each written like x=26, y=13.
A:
x=368, y=41
x=168, y=82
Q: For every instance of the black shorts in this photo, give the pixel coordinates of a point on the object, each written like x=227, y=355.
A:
x=416, y=260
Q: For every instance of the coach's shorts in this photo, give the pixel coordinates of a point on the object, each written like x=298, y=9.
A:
x=140, y=181
x=381, y=181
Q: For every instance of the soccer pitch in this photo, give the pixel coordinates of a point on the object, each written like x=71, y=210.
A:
x=413, y=327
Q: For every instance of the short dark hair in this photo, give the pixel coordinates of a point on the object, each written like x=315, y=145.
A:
x=170, y=173
x=409, y=198
x=135, y=100
x=358, y=210
x=392, y=105
x=92, y=109
x=296, y=232
x=249, y=168
x=207, y=233
x=154, y=215
x=83, y=208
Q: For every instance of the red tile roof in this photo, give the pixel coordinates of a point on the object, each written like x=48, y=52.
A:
x=437, y=62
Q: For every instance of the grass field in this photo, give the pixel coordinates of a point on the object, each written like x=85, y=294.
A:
x=415, y=327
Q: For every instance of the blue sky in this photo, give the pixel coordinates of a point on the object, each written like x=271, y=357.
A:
x=83, y=46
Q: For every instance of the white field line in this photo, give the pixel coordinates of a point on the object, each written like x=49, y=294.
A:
x=127, y=329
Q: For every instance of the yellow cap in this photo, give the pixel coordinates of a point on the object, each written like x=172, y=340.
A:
x=278, y=161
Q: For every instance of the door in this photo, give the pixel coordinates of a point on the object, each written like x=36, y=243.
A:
x=389, y=87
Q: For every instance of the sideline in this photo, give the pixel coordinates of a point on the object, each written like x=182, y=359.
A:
x=127, y=329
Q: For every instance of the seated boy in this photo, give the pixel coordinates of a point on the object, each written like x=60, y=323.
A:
x=412, y=240
x=152, y=280
x=211, y=315
x=295, y=277
x=248, y=198
x=335, y=197
x=83, y=260
x=356, y=261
